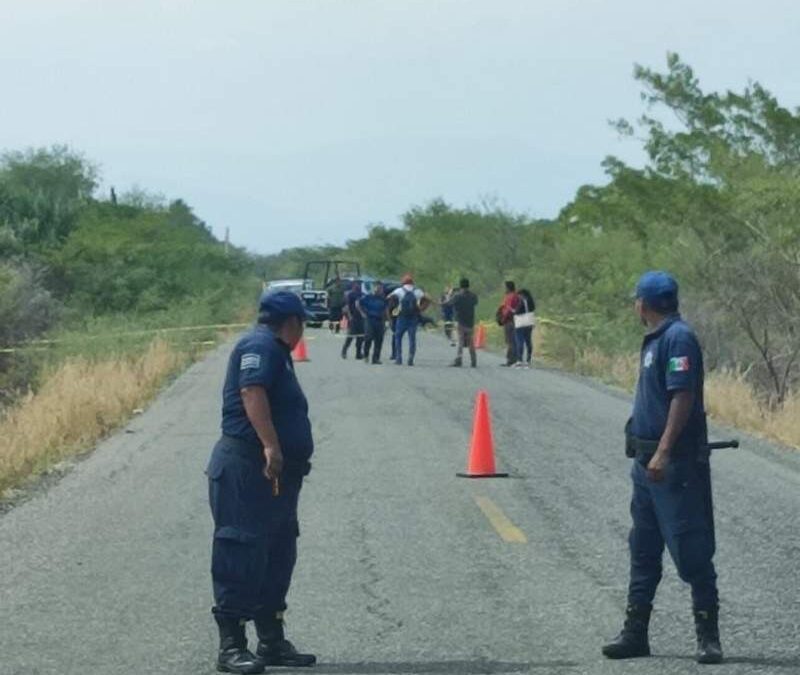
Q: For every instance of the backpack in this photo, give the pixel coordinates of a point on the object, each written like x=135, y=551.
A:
x=408, y=305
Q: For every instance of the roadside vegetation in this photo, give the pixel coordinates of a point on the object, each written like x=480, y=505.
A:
x=717, y=203
x=79, y=401
x=92, y=293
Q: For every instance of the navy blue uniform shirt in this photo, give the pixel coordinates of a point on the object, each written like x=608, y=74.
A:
x=352, y=298
x=374, y=305
x=261, y=359
x=671, y=361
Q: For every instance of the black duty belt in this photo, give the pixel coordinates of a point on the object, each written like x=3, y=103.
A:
x=638, y=447
x=645, y=448
x=642, y=448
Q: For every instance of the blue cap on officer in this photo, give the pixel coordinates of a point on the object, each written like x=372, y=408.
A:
x=658, y=289
x=277, y=305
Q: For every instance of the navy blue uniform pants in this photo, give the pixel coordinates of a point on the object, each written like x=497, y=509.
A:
x=355, y=332
x=373, y=341
x=676, y=512
x=255, y=533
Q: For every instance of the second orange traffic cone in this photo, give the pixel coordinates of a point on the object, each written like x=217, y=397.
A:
x=480, y=463
x=479, y=342
x=300, y=352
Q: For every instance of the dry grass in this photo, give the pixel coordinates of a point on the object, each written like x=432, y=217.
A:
x=79, y=402
x=621, y=371
x=730, y=398
x=784, y=425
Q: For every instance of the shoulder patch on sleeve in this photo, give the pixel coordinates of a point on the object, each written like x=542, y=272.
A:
x=250, y=362
x=679, y=364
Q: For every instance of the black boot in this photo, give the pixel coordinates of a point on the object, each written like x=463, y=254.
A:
x=706, y=623
x=275, y=650
x=233, y=655
x=633, y=639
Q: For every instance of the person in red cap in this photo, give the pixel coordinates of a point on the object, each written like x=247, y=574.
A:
x=410, y=301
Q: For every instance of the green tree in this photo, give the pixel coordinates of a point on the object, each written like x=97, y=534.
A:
x=723, y=188
x=124, y=259
x=41, y=193
x=382, y=252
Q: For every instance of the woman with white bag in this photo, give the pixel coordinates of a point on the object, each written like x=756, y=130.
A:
x=524, y=323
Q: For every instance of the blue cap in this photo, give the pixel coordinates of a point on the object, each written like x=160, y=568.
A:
x=282, y=304
x=658, y=289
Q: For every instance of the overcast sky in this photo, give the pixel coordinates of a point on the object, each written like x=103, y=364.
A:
x=301, y=122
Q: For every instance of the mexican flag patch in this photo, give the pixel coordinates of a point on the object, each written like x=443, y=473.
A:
x=679, y=364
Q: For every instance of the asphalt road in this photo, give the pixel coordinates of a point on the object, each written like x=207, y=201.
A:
x=400, y=571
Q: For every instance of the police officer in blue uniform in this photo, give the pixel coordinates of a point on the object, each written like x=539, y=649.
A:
x=255, y=475
x=373, y=308
x=671, y=504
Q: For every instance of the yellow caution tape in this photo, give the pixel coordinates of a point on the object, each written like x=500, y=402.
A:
x=42, y=344
x=539, y=320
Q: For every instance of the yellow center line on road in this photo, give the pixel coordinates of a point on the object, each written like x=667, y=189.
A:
x=505, y=528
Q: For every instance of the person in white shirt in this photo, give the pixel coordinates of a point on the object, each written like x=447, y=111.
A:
x=410, y=302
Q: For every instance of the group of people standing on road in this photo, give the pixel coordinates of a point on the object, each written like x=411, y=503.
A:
x=368, y=313
x=516, y=316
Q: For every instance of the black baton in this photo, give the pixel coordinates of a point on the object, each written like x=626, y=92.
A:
x=721, y=445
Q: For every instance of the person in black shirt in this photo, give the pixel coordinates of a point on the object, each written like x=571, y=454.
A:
x=463, y=303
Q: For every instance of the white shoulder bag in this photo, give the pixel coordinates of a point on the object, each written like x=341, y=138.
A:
x=526, y=319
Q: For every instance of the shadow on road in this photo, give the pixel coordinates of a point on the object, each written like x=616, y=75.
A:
x=476, y=667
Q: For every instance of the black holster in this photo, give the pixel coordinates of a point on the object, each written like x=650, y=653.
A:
x=643, y=449
x=630, y=451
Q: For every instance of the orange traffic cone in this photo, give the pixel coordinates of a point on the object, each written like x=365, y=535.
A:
x=479, y=341
x=300, y=352
x=481, y=452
